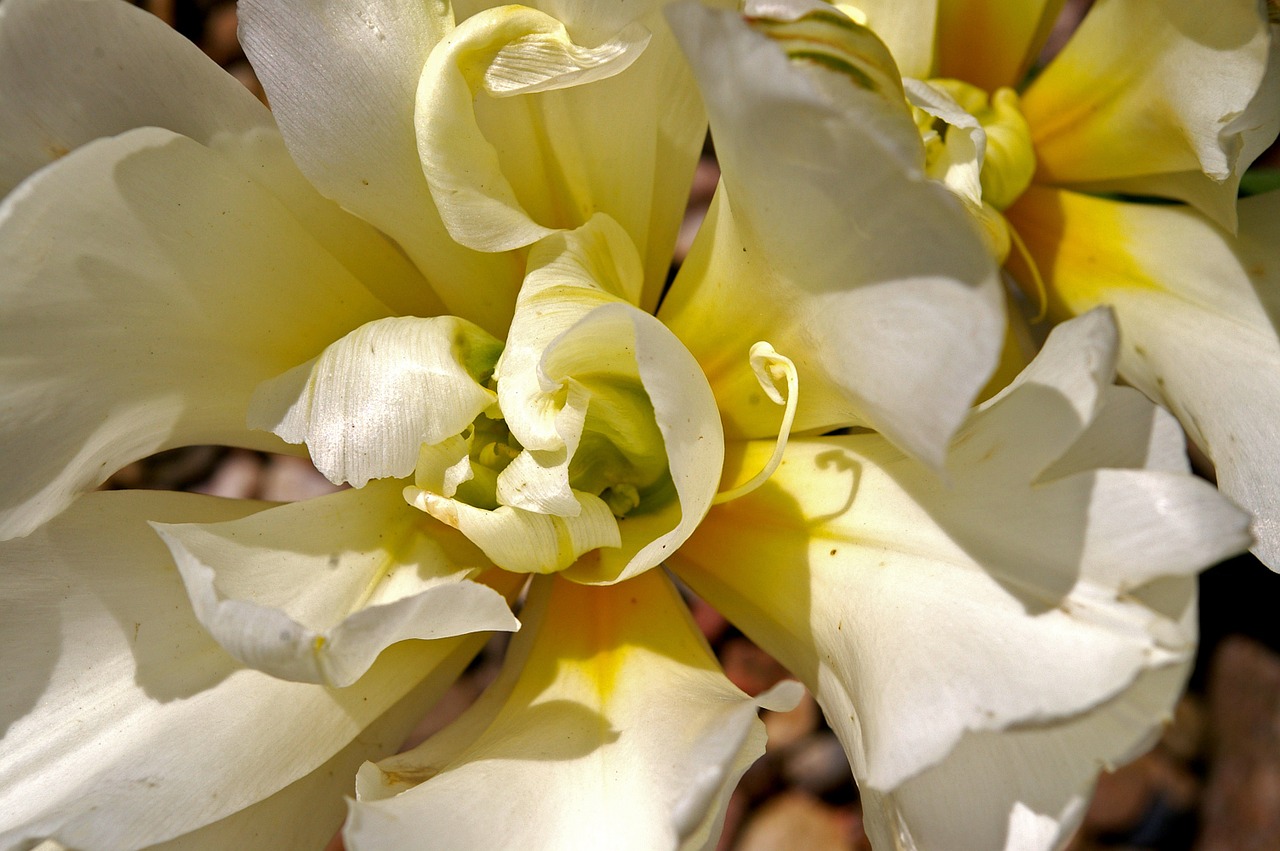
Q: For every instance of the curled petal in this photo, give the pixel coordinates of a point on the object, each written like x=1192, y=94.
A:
x=523, y=118
x=610, y=726
x=908, y=27
x=526, y=541
x=313, y=591
x=367, y=403
x=116, y=670
x=692, y=437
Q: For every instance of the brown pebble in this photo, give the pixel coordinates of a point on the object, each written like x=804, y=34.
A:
x=1241, y=806
x=289, y=479
x=817, y=764
x=794, y=820
x=748, y=667
x=787, y=728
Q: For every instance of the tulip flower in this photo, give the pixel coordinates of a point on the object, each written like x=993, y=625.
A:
x=437, y=269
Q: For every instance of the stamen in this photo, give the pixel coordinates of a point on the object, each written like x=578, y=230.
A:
x=770, y=368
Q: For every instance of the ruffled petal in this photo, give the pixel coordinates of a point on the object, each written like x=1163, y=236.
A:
x=1198, y=312
x=349, y=124
x=879, y=305
x=149, y=286
x=1040, y=793
x=525, y=541
x=918, y=610
x=368, y=402
x=570, y=274
x=610, y=726
x=73, y=71
x=522, y=128
x=1158, y=90
x=315, y=590
x=124, y=723
x=992, y=43
x=685, y=411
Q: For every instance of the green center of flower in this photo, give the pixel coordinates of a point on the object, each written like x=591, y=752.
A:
x=536, y=510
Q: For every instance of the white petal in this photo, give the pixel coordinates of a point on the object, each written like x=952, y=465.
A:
x=124, y=723
x=368, y=402
x=315, y=590
x=692, y=435
x=349, y=123
x=827, y=241
x=149, y=286
x=1025, y=789
x=918, y=610
x=1197, y=312
x=610, y=726
x=908, y=27
x=74, y=71
x=1158, y=89
x=309, y=811
x=475, y=197
x=570, y=274
x=523, y=127
x=525, y=541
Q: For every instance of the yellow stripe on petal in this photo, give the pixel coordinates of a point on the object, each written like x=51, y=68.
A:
x=1082, y=246
x=1196, y=309
x=610, y=726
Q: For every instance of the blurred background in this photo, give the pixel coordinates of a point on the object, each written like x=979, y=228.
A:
x=1211, y=784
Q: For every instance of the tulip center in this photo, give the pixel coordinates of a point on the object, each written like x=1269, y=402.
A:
x=535, y=506
x=979, y=145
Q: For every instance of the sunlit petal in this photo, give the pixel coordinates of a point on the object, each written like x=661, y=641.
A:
x=315, y=590
x=791, y=254
x=1012, y=595
x=129, y=725
x=367, y=403
x=1154, y=89
x=127, y=327
x=1198, y=313
x=349, y=124
x=610, y=726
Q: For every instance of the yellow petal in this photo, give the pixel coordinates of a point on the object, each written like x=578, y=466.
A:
x=611, y=726
x=1153, y=88
x=991, y=43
